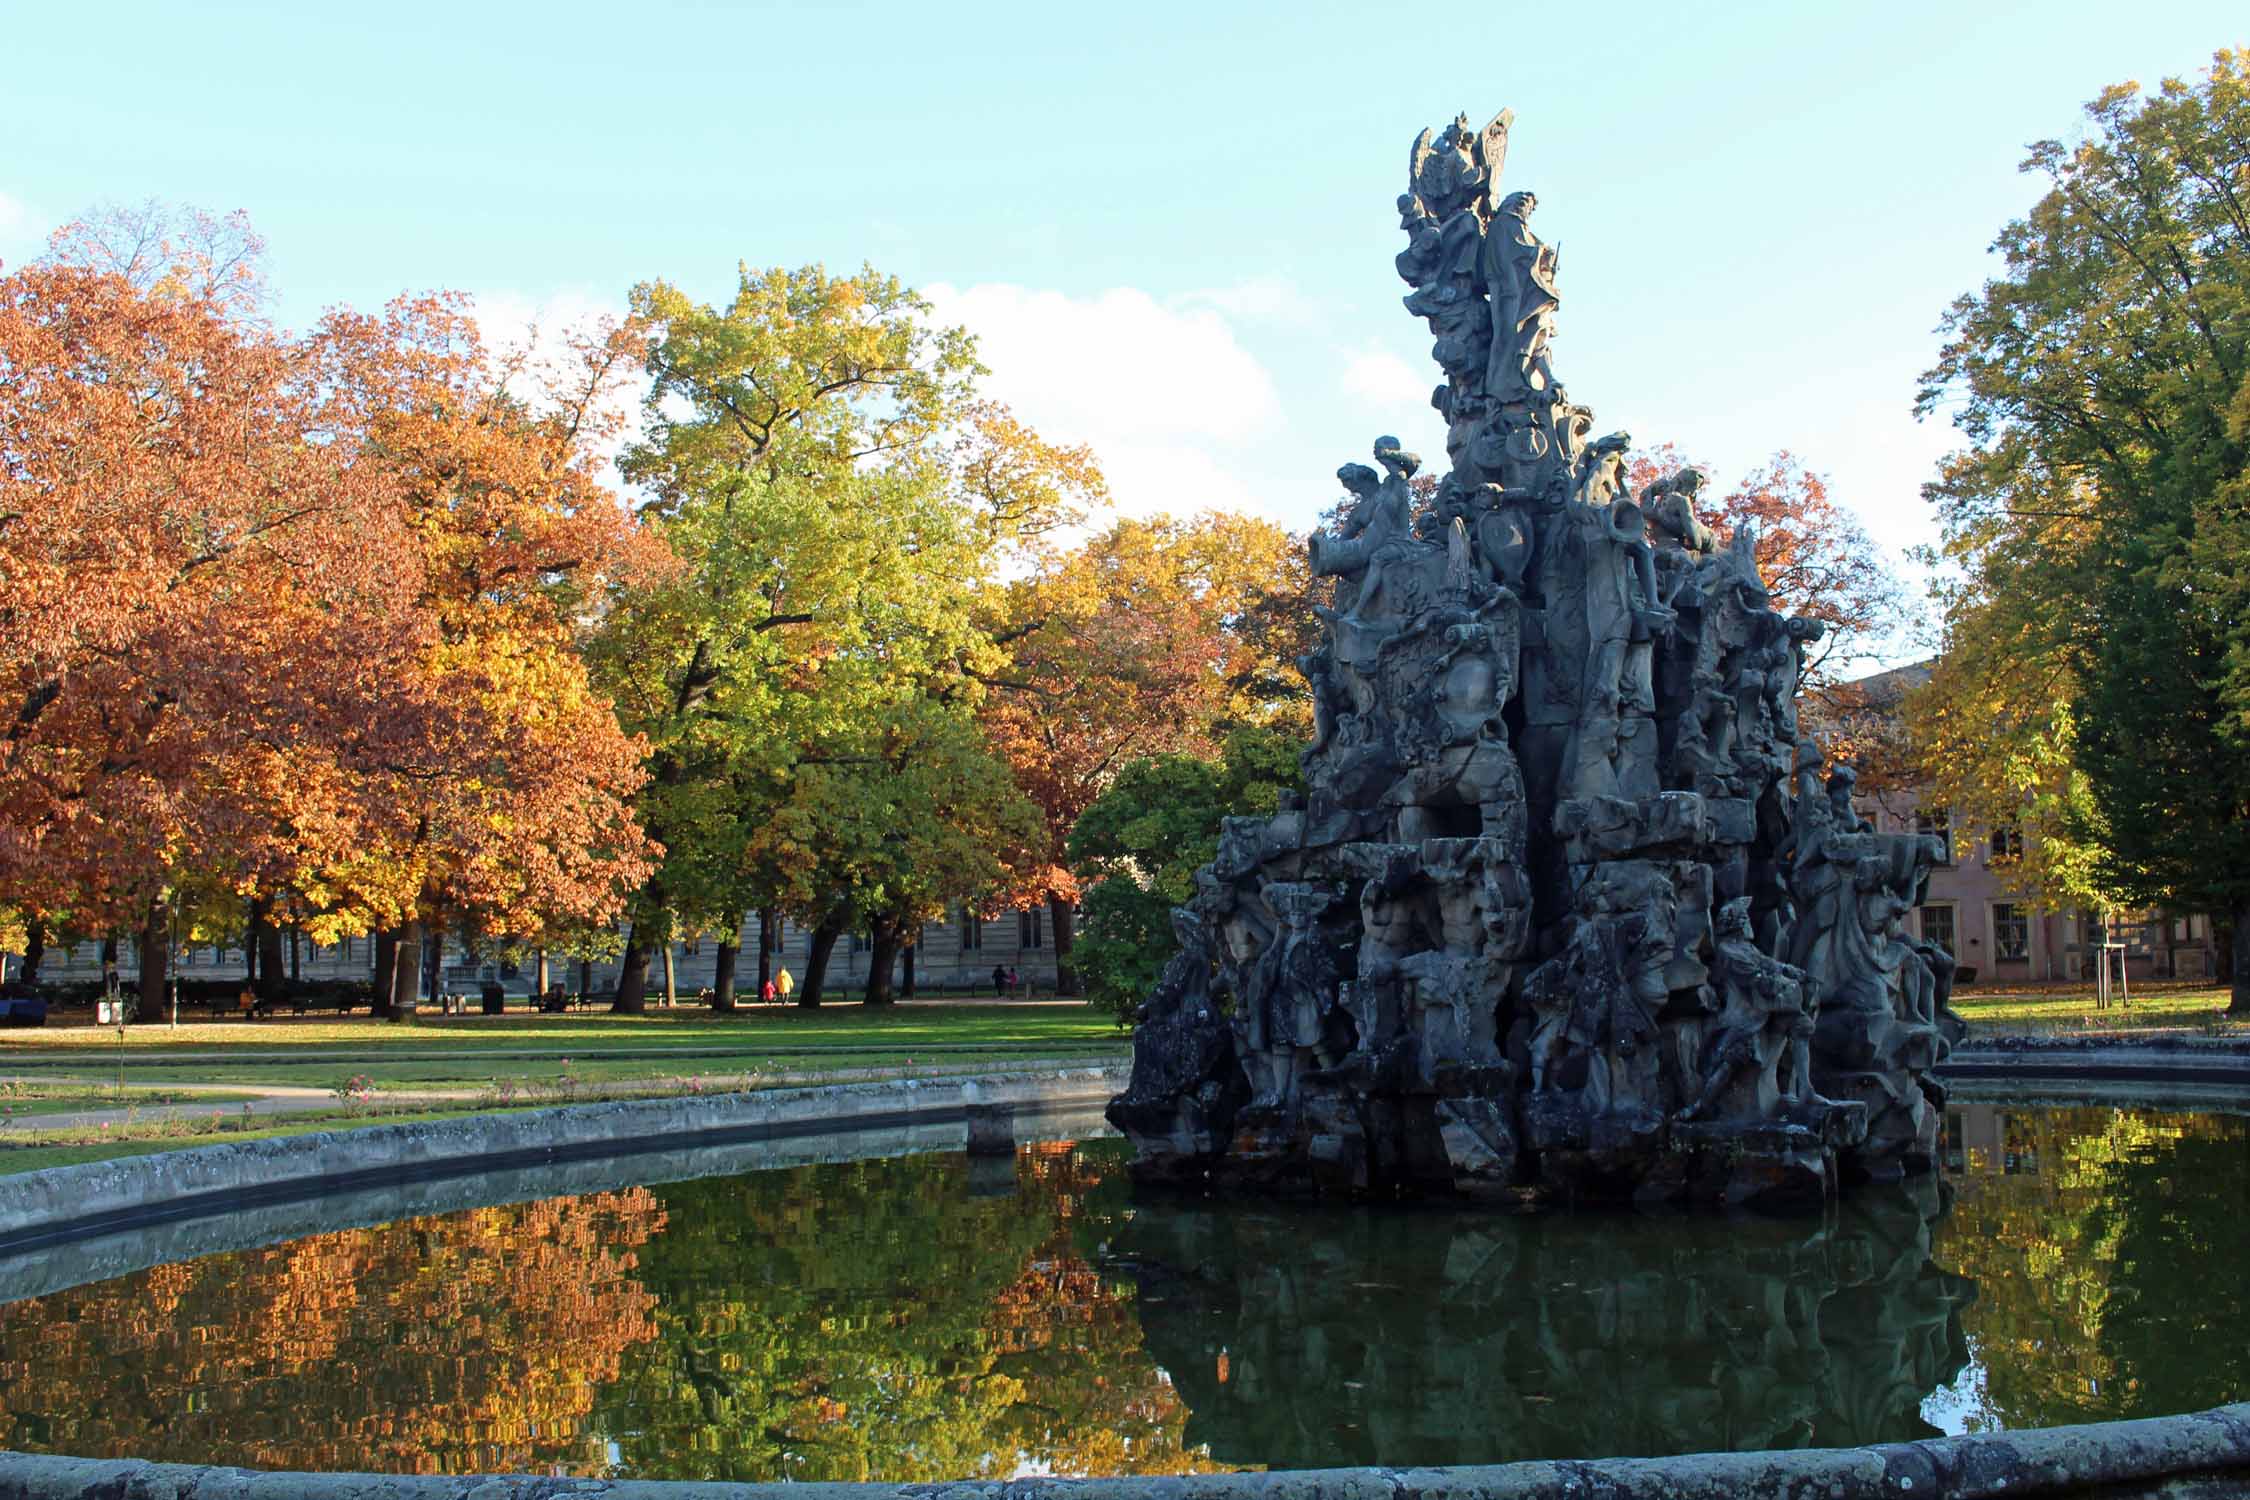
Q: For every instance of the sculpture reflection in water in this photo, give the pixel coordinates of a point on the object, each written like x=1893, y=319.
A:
x=1349, y=1336
x=1568, y=901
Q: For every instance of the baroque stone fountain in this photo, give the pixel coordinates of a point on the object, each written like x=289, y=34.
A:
x=1568, y=903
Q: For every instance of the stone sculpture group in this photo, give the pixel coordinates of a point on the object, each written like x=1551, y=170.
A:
x=1568, y=901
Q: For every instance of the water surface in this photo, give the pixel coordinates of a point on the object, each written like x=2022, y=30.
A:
x=930, y=1317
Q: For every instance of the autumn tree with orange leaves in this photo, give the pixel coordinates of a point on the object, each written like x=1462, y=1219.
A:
x=520, y=823
x=259, y=639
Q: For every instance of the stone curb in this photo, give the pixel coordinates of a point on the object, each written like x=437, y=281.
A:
x=96, y=1198
x=2099, y=1061
x=39, y=1270
x=2118, y=1460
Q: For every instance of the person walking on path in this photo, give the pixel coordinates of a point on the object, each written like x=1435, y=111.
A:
x=999, y=980
x=767, y=993
x=783, y=984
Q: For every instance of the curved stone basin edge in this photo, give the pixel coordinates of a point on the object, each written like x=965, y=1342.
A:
x=2223, y=1063
x=93, y=1200
x=2199, y=1454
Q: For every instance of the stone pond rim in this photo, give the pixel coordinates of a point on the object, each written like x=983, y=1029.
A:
x=2183, y=1457
x=2196, y=1456
x=1566, y=903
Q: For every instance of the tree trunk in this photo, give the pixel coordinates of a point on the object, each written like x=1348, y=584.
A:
x=1060, y=912
x=433, y=961
x=386, y=972
x=671, y=976
x=882, y=955
x=156, y=955
x=769, y=928
x=109, y=966
x=406, y=973
x=269, y=956
x=2239, y=1004
x=906, y=971
x=585, y=978
x=722, y=976
x=296, y=954
x=816, y=957
x=34, y=949
x=631, y=998
x=540, y=979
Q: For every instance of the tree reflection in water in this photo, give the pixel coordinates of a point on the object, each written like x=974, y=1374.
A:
x=2108, y=1247
x=472, y=1342
x=885, y=1319
x=928, y=1318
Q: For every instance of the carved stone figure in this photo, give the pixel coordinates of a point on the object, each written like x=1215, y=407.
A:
x=1550, y=915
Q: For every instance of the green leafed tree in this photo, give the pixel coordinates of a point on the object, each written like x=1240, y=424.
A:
x=797, y=458
x=2100, y=517
x=887, y=827
x=1137, y=847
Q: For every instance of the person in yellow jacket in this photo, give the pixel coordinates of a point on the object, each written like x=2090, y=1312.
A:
x=783, y=984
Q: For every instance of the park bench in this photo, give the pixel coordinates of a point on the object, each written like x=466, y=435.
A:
x=557, y=1000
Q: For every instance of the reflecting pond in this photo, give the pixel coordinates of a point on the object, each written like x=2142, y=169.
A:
x=931, y=1317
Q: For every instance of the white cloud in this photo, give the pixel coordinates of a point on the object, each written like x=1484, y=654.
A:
x=1166, y=394
x=511, y=321
x=1260, y=299
x=1382, y=379
x=535, y=331
x=21, y=229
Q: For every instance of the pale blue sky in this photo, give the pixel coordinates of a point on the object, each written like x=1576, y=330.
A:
x=1171, y=223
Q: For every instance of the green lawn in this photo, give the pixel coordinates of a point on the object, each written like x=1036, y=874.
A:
x=20, y=1100
x=473, y=1070
x=491, y=1063
x=596, y=1047
x=749, y=1031
x=2190, y=1009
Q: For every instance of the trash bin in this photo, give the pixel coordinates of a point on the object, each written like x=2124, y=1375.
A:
x=495, y=998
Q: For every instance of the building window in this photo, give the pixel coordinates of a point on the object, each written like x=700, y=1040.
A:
x=972, y=932
x=1937, y=825
x=2007, y=845
x=1937, y=924
x=1031, y=929
x=2011, y=932
x=861, y=942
